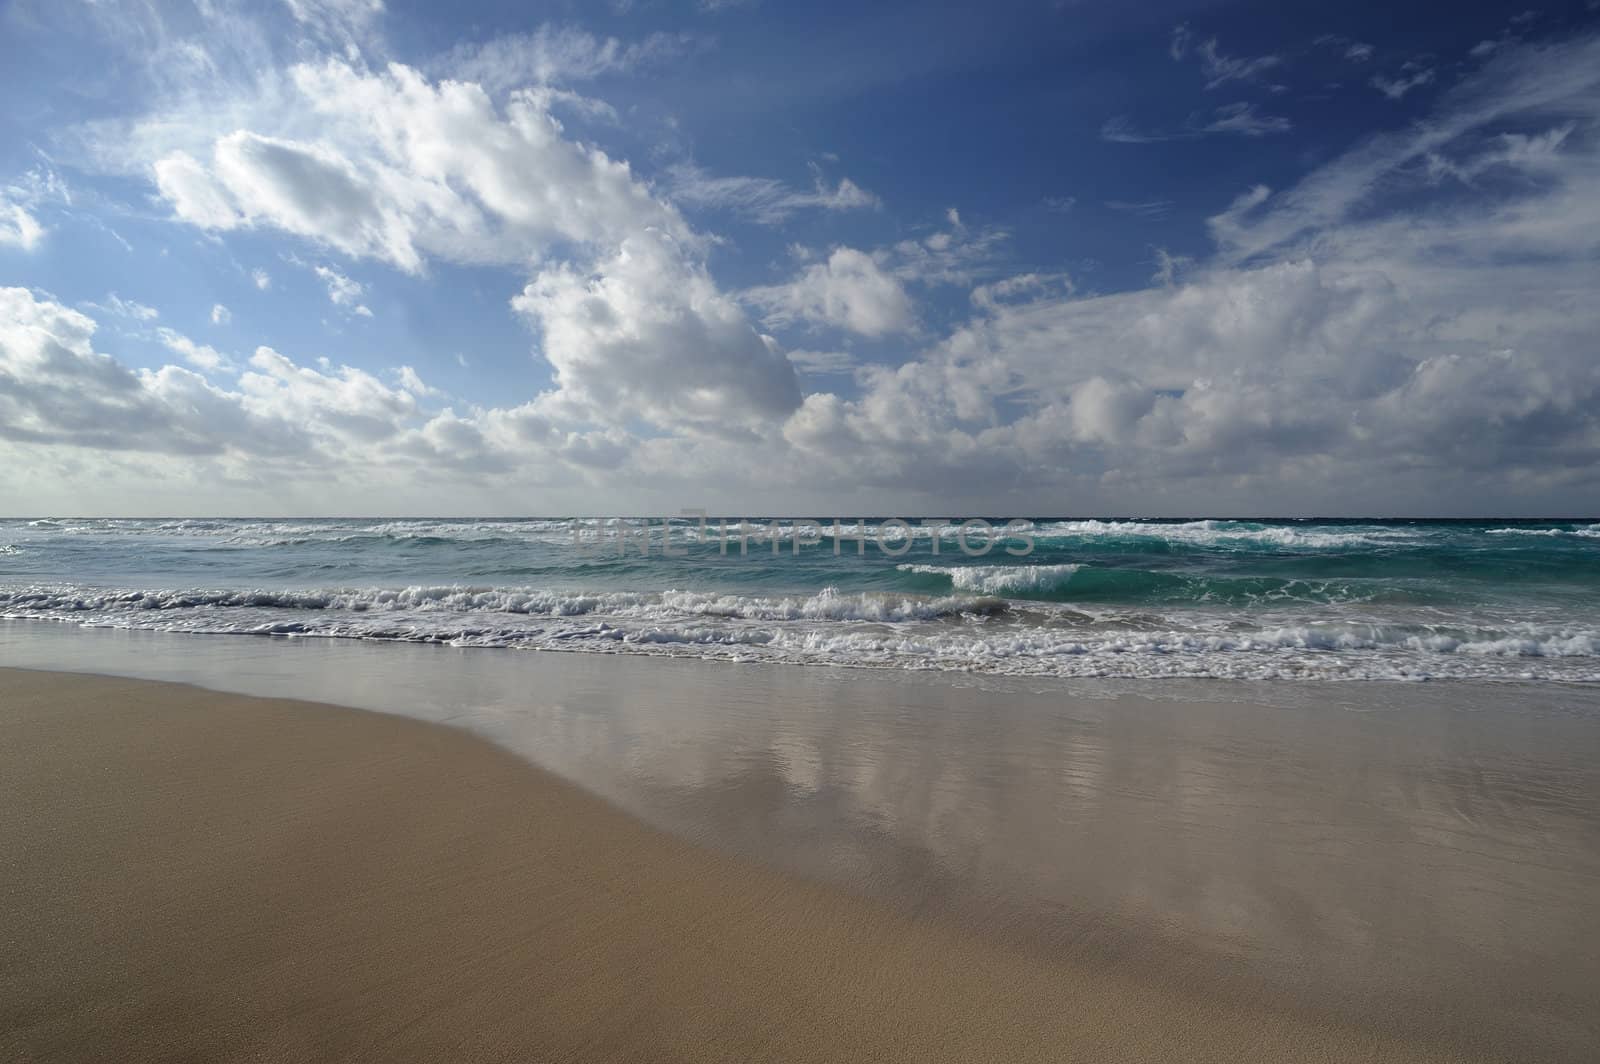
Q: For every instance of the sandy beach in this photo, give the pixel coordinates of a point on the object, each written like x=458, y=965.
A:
x=203, y=876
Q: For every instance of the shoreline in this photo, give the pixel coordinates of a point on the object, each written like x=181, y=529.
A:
x=231, y=877
x=1413, y=869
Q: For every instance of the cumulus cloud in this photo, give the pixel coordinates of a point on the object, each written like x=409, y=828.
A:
x=1389, y=357
x=1338, y=342
x=1232, y=380
x=403, y=169
x=55, y=388
x=198, y=355
x=869, y=292
x=343, y=291
x=220, y=315
x=850, y=290
x=647, y=334
x=278, y=420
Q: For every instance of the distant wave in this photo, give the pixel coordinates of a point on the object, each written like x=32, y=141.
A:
x=1213, y=533
x=1587, y=532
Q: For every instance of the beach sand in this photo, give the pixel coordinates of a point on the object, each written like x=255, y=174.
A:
x=191, y=875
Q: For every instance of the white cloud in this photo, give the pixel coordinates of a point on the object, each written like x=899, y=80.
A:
x=1396, y=88
x=1218, y=68
x=1182, y=39
x=850, y=290
x=1383, y=358
x=1242, y=119
x=199, y=355
x=58, y=389
x=18, y=228
x=403, y=170
x=1335, y=345
x=820, y=363
x=220, y=315
x=1120, y=129
x=953, y=255
x=125, y=308
x=765, y=199
x=646, y=334
x=262, y=279
x=194, y=196
x=19, y=201
x=867, y=292
x=1021, y=288
x=1151, y=209
x=350, y=22
x=555, y=55
x=1526, y=83
x=413, y=383
x=281, y=425
x=1353, y=50
x=1245, y=120
x=398, y=168
x=342, y=291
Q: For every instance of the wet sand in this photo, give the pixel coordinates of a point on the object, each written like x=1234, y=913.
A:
x=911, y=866
x=193, y=875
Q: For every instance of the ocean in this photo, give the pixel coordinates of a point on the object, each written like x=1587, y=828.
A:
x=1291, y=600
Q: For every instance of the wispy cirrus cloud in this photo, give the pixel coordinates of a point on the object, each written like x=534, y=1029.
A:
x=1218, y=67
x=764, y=199
x=20, y=201
x=558, y=55
x=1150, y=209
x=1348, y=48
x=1411, y=76
x=1239, y=119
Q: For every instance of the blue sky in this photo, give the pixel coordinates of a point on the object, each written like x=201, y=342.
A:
x=338, y=256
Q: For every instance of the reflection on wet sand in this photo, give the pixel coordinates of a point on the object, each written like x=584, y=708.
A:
x=1423, y=857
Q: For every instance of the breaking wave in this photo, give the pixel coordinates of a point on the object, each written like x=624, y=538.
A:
x=1494, y=600
x=976, y=632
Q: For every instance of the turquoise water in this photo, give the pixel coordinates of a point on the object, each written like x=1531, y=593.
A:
x=1497, y=600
